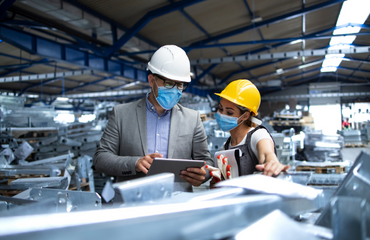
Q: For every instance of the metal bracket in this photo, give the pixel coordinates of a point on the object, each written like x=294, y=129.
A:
x=70, y=200
x=145, y=189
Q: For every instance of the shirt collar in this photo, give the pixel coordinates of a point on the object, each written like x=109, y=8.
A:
x=150, y=107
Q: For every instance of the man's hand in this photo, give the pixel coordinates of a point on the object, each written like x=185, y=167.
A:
x=144, y=163
x=194, y=176
x=272, y=168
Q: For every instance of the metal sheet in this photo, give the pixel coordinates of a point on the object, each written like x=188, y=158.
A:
x=53, y=182
x=159, y=186
x=267, y=185
x=276, y=226
x=348, y=216
x=78, y=200
x=355, y=184
x=48, y=160
x=13, y=170
x=181, y=221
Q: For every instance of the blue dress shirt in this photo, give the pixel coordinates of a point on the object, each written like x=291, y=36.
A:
x=158, y=129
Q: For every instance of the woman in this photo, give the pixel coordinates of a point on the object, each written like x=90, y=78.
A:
x=239, y=104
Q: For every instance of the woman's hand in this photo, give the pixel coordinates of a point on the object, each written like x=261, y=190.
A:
x=272, y=168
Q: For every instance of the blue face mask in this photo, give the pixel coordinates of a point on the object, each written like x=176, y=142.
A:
x=226, y=123
x=168, y=98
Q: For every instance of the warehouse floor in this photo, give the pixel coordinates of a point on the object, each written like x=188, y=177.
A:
x=351, y=153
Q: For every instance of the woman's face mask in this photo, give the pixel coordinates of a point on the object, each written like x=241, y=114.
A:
x=227, y=123
x=168, y=98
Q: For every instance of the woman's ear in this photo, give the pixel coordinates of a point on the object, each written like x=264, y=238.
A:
x=246, y=116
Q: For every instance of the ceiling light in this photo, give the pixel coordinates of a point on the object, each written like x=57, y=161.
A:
x=279, y=71
x=256, y=19
x=130, y=84
x=32, y=96
x=296, y=41
x=309, y=64
x=63, y=99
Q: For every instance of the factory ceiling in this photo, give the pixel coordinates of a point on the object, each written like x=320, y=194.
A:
x=99, y=49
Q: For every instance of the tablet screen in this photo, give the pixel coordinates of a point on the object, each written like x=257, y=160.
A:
x=175, y=166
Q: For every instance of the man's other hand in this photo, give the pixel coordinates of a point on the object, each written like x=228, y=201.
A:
x=194, y=176
x=144, y=163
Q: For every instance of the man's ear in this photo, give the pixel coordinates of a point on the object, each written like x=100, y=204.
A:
x=151, y=79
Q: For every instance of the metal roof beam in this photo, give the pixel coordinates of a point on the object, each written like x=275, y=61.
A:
x=353, y=69
x=312, y=36
x=87, y=84
x=318, y=95
x=251, y=68
x=108, y=20
x=292, y=68
x=37, y=85
x=357, y=60
x=144, y=20
x=44, y=76
x=307, y=37
x=205, y=72
x=109, y=94
x=358, y=68
x=335, y=75
x=21, y=67
x=34, y=44
x=269, y=56
x=278, y=19
x=265, y=64
x=24, y=23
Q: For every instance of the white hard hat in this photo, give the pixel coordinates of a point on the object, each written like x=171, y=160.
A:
x=171, y=62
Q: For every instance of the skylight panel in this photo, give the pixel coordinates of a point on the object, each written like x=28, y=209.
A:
x=353, y=11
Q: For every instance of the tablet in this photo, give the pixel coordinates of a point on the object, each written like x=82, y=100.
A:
x=175, y=166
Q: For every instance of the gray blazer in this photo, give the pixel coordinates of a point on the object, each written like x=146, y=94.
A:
x=125, y=140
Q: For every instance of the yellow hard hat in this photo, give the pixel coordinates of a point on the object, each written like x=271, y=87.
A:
x=244, y=93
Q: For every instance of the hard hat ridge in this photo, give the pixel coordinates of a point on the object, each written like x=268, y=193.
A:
x=171, y=62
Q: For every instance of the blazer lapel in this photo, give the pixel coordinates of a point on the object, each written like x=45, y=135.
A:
x=174, y=129
x=141, y=120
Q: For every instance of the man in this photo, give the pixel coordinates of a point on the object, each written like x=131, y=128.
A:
x=346, y=125
x=156, y=126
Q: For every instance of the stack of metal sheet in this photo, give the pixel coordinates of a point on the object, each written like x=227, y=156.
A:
x=351, y=137
x=215, y=136
x=34, y=146
x=320, y=147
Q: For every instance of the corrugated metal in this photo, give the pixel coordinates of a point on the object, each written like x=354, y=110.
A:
x=126, y=12
x=215, y=17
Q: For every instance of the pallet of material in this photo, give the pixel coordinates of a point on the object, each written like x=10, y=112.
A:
x=285, y=122
x=354, y=145
x=291, y=117
x=9, y=193
x=321, y=170
x=307, y=119
x=17, y=176
x=203, y=117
